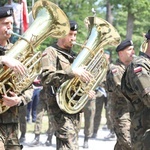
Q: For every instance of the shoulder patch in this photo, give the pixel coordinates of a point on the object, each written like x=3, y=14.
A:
x=137, y=69
x=114, y=70
x=44, y=54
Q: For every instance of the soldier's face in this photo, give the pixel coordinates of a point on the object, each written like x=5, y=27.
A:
x=67, y=40
x=5, y=25
x=127, y=54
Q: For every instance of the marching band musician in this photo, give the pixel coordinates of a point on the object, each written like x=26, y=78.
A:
x=6, y=24
x=56, y=69
x=9, y=119
x=136, y=87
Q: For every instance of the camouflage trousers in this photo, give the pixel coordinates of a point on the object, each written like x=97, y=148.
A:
x=100, y=100
x=89, y=112
x=122, y=130
x=140, y=137
x=109, y=120
x=66, y=130
x=41, y=109
x=9, y=137
x=92, y=115
x=22, y=119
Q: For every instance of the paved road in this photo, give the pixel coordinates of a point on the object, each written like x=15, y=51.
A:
x=94, y=144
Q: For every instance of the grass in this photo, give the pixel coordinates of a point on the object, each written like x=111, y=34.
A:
x=30, y=126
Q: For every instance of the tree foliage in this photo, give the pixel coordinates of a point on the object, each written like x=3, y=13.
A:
x=78, y=10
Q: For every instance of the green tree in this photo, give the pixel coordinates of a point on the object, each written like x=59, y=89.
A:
x=132, y=19
x=75, y=10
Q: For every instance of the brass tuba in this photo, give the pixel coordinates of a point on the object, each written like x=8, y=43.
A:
x=51, y=21
x=72, y=94
x=144, y=46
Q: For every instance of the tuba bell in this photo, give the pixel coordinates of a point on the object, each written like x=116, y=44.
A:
x=72, y=94
x=144, y=46
x=49, y=20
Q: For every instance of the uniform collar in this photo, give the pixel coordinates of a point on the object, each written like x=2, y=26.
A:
x=144, y=55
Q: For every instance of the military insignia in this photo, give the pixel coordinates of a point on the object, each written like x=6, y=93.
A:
x=137, y=69
x=44, y=54
x=75, y=27
x=131, y=42
x=114, y=70
x=8, y=12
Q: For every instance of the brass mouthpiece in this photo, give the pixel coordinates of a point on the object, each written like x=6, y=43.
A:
x=75, y=43
x=20, y=36
x=9, y=32
x=13, y=33
x=83, y=46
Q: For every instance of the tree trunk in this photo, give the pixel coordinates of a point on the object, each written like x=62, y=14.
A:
x=130, y=25
x=109, y=15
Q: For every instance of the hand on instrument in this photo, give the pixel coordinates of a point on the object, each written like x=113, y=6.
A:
x=92, y=94
x=83, y=74
x=11, y=101
x=14, y=64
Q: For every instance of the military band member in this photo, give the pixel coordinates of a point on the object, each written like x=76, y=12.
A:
x=9, y=119
x=42, y=107
x=136, y=87
x=56, y=69
x=93, y=110
x=119, y=106
x=6, y=21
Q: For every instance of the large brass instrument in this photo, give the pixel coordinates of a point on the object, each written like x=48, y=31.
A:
x=72, y=94
x=144, y=46
x=51, y=21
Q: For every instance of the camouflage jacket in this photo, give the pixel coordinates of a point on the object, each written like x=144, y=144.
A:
x=136, y=87
x=11, y=115
x=118, y=101
x=3, y=51
x=56, y=69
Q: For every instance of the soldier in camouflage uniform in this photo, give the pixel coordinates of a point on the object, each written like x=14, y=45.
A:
x=22, y=119
x=136, y=87
x=42, y=107
x=89, y=111
x=119, y=106
x=9, y=119
x=109, y=122
x=93, y=110
x=22, y=123
x=92, y=116
x=56, y=69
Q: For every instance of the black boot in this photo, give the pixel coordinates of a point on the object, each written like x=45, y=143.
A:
x=22, y=138
x=94, y=135
x=49, y=140
x=85, y=145
x=36, y=140
x=110, y=136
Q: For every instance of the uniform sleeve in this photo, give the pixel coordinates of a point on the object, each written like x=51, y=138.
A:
x=140, y=81
x=26, y=96
x=69, y=72
x=114, y=81
x=48, y=61
x=51, y=74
